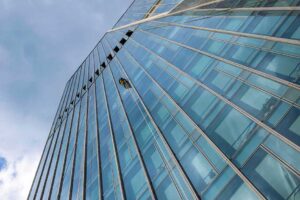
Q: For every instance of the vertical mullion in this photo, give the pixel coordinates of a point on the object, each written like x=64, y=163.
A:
x=96, y=60
x=75, y=88
x=100, y=189
x=99, y=58
x=61, y=108
x=70, y=153
x=72, y=90
x=88, y=68
x=44, y=164
x=83, y=75
x=91, y=143
x=74, y=151
x=63, y=156
x=38, y=174
x=93, y=64
x=106, y=48
x=64, y=109
x=79, y=86
x=113, y=141
x=86, y=74
x=47, y=164
x=65, y=105
x=101, y=53
x=60, y=105
x=76, y=171
x=84, y=147
x=108, y=159
x=54, y=161
x=135, y=143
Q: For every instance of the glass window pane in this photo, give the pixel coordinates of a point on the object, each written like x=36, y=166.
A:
x=270, y=176
x=290, y=155
x=232, y=127
x=198, y=169
x=295, y=127
x=255, y=98
x=243, y=192
x=167, y=190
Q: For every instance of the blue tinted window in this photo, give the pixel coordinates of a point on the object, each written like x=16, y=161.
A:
x=271, y=176
x=289, y=125
x=167, y=190
x=230, y=130
x=290, y=155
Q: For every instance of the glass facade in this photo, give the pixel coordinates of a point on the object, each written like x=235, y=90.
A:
x=182, y=100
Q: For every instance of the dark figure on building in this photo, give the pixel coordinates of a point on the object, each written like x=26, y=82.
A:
x=125, y=83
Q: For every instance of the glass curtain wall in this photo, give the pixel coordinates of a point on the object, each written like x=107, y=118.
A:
x=182, y=100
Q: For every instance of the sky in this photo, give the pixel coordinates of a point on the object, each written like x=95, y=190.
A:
x=42, y=42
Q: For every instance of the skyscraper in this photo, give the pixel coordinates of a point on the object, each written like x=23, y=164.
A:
x=182, y=99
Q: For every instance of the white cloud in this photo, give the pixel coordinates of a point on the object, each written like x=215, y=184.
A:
x=14, y=180
x=21, y=146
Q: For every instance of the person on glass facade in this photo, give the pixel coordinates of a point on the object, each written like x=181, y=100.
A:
x=125, y=83
x=182, y=100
